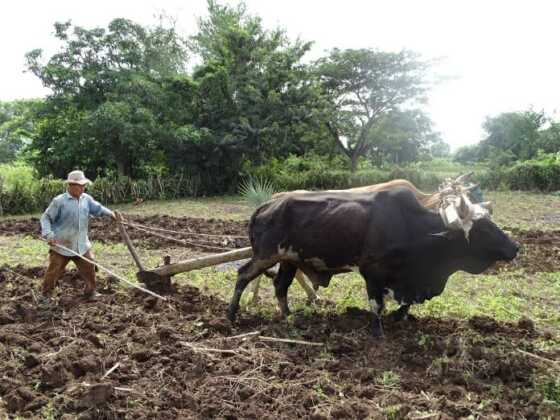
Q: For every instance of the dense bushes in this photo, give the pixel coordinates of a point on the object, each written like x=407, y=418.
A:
x=24, y=196
x=540, y=175
x=21, y=194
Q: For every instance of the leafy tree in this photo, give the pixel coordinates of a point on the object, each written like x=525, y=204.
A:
x=107, y=110
x=403, y=136
x=258, y=98
x=363, y=86
x=513, y=132
x=549, y=138
x=16, y=126
x=467, y=154
x=439, y=148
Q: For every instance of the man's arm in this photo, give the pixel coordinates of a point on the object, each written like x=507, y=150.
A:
x=96, y=209
x=48, y=218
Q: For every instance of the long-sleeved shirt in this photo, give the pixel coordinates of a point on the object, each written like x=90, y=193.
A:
x=66, y=221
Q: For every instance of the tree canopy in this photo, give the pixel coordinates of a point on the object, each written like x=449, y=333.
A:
x=134, y=100
x=363, y=87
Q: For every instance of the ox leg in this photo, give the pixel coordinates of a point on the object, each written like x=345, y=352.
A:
x=375, y=297
x=245, y=274
x=311, y=294
x=401, y=314
x=282, y=282
x=256, y=286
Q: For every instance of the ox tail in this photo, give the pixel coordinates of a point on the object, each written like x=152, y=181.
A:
x=252, y=223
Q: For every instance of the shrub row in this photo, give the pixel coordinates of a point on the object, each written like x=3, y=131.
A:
x=27, y=197
x=526, y=176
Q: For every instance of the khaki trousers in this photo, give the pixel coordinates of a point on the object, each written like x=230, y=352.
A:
x=57, y=264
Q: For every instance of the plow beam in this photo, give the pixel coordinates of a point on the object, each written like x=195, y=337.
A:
x=165, y=271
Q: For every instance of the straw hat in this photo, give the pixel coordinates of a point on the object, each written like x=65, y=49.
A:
x=77, y=177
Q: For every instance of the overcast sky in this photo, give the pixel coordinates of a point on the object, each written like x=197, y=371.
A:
x=501, y=55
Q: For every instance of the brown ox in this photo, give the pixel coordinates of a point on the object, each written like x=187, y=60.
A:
x=430, y=201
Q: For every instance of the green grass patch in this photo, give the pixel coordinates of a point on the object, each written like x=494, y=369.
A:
x=12, y=173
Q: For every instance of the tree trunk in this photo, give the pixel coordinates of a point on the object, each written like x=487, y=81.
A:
x=354, y=162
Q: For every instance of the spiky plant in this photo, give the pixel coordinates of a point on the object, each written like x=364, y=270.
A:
x=256, y=191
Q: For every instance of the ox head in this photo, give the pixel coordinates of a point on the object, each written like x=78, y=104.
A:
x=484, y=242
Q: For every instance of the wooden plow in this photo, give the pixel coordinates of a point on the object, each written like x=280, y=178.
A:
x=159, y=279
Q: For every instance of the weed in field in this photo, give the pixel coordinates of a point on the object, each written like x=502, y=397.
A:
x=256, y=191
x=389, y=379
x=549, y=387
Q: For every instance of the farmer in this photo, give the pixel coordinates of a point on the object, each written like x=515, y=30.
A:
x=65, y=222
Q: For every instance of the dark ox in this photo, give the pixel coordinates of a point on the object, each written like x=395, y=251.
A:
x=399, y=247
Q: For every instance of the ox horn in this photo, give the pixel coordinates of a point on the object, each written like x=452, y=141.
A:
x=462, y=178
x=487, y=205
x=472, y=187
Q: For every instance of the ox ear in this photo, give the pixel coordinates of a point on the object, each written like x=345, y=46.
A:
x=446, y=234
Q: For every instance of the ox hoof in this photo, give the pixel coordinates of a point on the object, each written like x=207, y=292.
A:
x=397, y=316
x=411, y=318
x=231, y=314
x=377, y=332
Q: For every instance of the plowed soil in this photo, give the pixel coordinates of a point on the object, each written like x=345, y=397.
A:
x=132, y=356
x=229, y=233
x=181, y=359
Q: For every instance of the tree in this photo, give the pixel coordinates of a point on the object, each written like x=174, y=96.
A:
x=107, y=110
x=439, y=148
x=403, y=136
x=16, y=126
x=363, y=86
x=467, y=154
x=516, y=133
x=549, y=138
x=260, y=96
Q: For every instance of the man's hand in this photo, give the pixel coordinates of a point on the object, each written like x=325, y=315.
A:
x=117, y=216
x=52, y=242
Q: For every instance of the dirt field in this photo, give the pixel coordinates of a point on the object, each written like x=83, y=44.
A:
x=181, y=359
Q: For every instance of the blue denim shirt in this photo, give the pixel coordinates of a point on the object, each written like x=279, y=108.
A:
x=66, y=221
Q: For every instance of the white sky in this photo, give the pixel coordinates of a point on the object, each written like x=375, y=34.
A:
x=502, y=55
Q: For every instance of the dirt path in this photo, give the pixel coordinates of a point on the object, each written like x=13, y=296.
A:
x=448, y=368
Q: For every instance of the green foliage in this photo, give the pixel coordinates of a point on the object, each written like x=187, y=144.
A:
x=18, y=171
x=318, y=173
x=389, y=379
x=256, y=191
x=468, y=154
x=513, y=136
x=513, y=132
x=549, y=386
x=258, y=98
x=16, y=127
x=542, y=174
x=364, y=89
x=28, y=196
x=109, y=108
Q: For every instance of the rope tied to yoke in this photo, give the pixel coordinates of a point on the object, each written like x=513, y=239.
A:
x=148, y=229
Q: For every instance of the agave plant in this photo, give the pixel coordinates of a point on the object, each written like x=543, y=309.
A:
x=256, y=191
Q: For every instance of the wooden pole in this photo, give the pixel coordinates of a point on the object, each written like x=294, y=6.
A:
x=202, y=262
x=127, y=240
